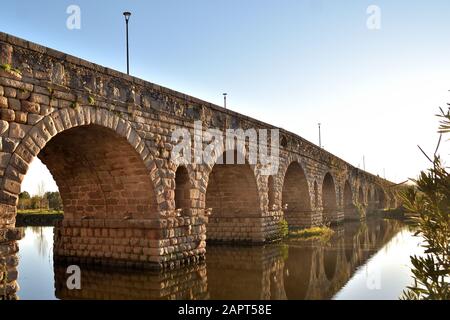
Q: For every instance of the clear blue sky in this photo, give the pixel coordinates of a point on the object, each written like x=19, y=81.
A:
x=292, y=63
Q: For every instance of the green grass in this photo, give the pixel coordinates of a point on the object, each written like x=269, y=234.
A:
x=322, y=233
x=39, y=211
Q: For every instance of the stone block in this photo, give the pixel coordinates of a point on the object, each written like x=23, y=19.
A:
x=10, y=92
x=31, y=107
x=17, y=130
x=4, y=126
x=21, y=117
x=34, y=118
x=14, y=104
x=3, y=102
x=7, y=114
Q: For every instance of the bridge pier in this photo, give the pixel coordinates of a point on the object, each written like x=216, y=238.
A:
x=8, y=262
x=303, y=219
x=333, y=217
x=244, y=229
x=149, y=244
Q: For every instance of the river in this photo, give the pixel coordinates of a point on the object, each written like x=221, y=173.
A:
x=369, y=260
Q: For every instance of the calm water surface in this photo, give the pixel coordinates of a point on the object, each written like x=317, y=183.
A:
x=362, y=261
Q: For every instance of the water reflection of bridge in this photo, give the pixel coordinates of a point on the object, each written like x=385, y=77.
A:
x=294, y=270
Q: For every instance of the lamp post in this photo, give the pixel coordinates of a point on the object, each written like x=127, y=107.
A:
x=127, y=18
x=225, y=100
x=320, y=137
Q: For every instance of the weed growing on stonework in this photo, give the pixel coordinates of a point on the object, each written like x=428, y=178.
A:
x=91, y=100
x=8, y=68
x=314, y=233
x=430, y=203
x=74, y=105
x=283, y=228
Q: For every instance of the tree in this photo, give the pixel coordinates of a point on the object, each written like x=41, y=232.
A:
x=24, y=195
x=41, y=194
x=54, y=200
x=430, y=202
x=24, y=200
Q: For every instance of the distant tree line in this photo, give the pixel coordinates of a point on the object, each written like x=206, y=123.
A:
x=46, y=201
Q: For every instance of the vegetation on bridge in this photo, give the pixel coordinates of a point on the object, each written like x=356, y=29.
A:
x=323, y=233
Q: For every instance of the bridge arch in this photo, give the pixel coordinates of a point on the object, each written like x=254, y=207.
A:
x=361, y=196
x=381, y=198
x=272, y=199
x=296, y=199
x=99, y=162
x=329, y=199
x=232, y=194
x=371, y=197
x=349, y=206
x=393, y=202
x=182, y=190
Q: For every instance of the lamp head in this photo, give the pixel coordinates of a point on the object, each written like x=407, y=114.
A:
x=127, y=15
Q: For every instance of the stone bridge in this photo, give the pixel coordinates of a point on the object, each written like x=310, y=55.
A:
x=106, y=139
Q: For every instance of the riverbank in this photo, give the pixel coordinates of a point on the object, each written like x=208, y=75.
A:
x=38, y=217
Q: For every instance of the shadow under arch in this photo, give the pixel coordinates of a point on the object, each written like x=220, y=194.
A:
x=182, y=189
x=232, y=194
x=99, y=175
x=349, y=206
x=329, y=201
x=381, y=199
x=296, y=197
x=361, y=196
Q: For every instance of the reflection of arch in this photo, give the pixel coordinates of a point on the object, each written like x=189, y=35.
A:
x=330, y=257
x=182, y=189
x=100, y=164
x=300, y=263
x=349, y=251
x=329, y=196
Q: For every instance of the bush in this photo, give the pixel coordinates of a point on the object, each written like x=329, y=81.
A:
x=430, y=202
